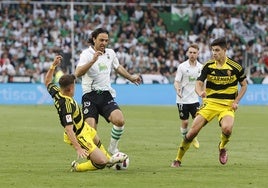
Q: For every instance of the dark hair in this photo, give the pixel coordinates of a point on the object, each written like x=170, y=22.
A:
x=219, y=42
x=95, y=34
x=66, y=80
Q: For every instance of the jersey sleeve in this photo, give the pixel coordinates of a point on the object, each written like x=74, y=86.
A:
x=115, y=62
x=241, y=75
x=67, y=119
x=83, y=59
x=66, y=112
x=52, y=89
x=64, y=106
x=203, y=75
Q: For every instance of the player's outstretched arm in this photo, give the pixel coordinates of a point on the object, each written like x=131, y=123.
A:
x=136, y=79
x=50, y=72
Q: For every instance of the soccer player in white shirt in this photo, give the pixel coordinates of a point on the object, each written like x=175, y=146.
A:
x=187, y=100
x=95, y=66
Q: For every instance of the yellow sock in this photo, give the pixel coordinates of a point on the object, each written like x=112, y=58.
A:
x=224, y=140
x=85, y=166
x=184, y=146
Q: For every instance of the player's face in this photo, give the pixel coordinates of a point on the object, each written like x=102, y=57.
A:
x=218, y=53
x=101, y=42
x=192, y=54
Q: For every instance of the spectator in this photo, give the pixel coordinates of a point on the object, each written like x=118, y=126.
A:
x=137, y=28
x=7, y=70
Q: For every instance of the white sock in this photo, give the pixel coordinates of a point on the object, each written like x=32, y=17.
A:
x=115, y=137
x=184, y=131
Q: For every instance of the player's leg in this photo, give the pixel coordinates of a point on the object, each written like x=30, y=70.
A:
x=197, y=125
x=96, y=159
x=92, y=122
x=193, y=108
x=99, y=144
x=101, y=158
x=184, y=111
x=112, y=113
x=226, y=130
x=183, y=115
x=226, y=123
x=117, y=119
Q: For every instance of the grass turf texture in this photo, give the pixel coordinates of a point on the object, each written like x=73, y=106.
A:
x=33, y=153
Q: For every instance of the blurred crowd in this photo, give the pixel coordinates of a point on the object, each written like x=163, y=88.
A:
x=32, y=33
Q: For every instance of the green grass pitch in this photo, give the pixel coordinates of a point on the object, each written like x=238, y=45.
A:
x=33, y=154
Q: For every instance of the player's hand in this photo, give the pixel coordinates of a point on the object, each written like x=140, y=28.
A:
x=136, y=79
x=235, y=106
x=96, y=55
x=57, y=60
x=82, y=153
x=202, y=94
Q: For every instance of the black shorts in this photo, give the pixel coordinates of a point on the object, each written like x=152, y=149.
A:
x=98, y=103
x=186, y=109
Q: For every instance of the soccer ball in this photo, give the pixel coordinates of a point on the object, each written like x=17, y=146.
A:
x=121, y=166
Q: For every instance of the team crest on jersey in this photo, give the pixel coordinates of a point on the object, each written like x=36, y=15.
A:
x=69, y=118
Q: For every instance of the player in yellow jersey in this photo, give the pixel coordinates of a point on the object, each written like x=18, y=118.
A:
x=77, y=132
x=220, y=96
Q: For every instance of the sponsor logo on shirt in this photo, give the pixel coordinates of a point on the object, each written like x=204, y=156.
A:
x=69, y=118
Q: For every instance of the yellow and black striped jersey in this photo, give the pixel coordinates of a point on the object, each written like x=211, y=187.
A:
x=222, y=82
x=68, y=109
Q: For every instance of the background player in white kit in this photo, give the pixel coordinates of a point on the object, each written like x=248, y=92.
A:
x=187, y=100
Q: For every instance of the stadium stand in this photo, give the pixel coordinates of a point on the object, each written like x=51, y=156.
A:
x=150, y=37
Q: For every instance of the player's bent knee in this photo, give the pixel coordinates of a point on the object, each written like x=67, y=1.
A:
x=117, y=118
x=227, y=130
x=118, y=121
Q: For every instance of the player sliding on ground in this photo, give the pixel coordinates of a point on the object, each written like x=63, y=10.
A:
x=77, y=132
